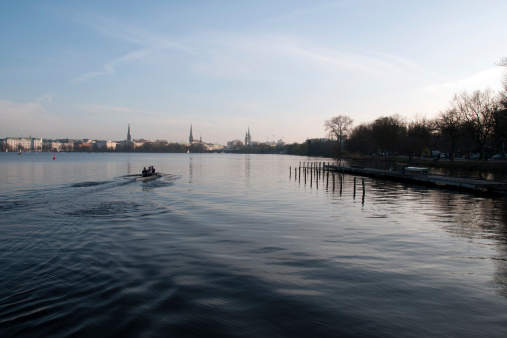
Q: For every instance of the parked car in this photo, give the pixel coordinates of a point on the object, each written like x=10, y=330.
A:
x=499, y=157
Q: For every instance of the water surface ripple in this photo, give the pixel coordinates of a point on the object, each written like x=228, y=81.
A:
x=237, y=246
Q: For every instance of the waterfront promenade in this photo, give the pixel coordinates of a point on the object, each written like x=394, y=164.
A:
x=449, y=182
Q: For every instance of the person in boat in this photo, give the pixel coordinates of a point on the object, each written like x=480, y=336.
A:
x=152, y=170
x=145, y=172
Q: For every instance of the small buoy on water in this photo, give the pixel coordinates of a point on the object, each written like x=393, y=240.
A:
x=54, y=158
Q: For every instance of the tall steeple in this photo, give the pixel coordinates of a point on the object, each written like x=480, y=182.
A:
x=191, y=138
x=129, y=136
x=248, y=138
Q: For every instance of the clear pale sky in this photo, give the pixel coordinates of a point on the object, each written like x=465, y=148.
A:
x=84, y=69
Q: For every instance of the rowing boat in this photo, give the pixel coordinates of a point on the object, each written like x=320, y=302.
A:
x=150, y=177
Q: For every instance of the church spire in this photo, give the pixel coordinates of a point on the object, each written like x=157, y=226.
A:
x=248, y=138
x=129, y=136
x=191, y=138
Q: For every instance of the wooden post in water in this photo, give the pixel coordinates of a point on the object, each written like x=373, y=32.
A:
x=363, y=188
x=333, y=182
x=354, y=187
x=327, y=179
x=290, y=172
x=341, y=184
x=318, y=178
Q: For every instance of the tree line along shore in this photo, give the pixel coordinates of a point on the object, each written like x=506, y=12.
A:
x=474, y=125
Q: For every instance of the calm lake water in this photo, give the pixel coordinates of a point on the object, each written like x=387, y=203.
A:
x=233, y=246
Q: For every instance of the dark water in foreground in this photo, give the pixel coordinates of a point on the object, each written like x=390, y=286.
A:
x=230, y=245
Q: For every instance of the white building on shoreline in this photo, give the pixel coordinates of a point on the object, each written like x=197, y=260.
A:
x=106, y=144
x=22, y=143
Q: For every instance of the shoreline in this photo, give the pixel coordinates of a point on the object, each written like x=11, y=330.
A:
x=492, y=170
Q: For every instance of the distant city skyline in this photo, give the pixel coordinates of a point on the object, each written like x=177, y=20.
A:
x=81, y=69
x=129, y=137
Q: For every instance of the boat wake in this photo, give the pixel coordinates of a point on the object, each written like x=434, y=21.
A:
x=88, y=184
x=116, y=209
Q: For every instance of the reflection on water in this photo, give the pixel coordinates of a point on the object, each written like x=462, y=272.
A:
x=235, y=245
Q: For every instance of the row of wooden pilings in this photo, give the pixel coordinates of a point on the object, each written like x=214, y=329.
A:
x=314, y=171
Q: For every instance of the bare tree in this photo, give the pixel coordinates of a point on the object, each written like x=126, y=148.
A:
x=360, y=139
x=478, y=112
x=449, y=123
x=503, y=94
x=338, y=127
x=387, y=132
x=420, y=135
